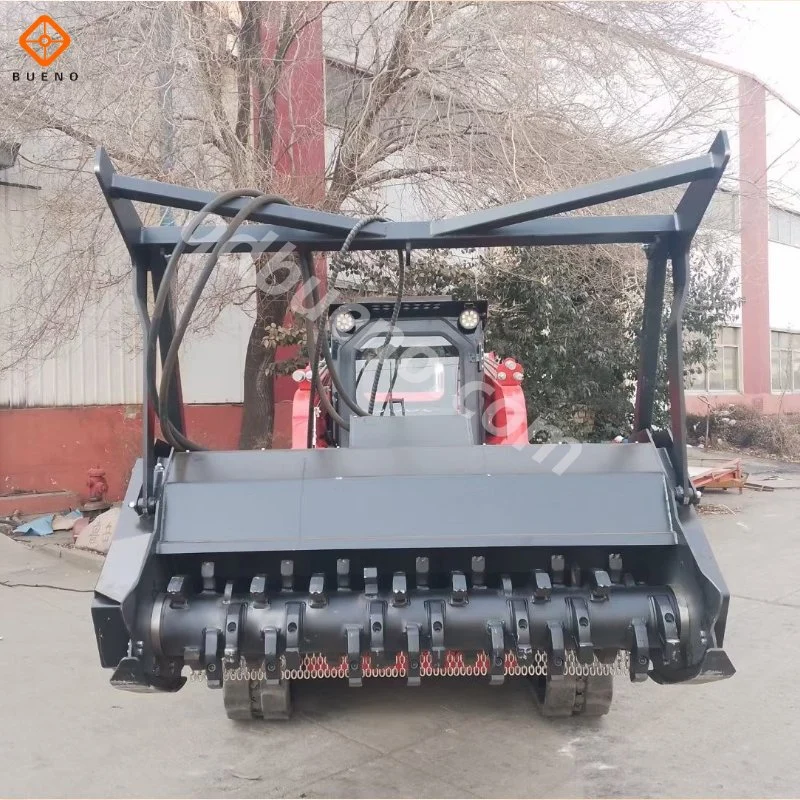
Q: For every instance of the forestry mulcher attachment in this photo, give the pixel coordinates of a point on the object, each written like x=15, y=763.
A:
x=412, y=531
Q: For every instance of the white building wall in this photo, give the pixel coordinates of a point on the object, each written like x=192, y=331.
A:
x=99, y=365
x=783, y=154
x=783, y=176
x=99, y=361
x=784, y=286
x=212, y=366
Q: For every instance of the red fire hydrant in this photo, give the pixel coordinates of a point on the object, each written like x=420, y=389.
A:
x=97, y=486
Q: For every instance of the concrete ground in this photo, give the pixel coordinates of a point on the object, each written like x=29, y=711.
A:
x=65, y=732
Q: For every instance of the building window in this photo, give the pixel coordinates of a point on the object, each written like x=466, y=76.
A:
x=723, y=374
x=8, y=154
x=346, y=90
x=785, y=361
x=784, y=227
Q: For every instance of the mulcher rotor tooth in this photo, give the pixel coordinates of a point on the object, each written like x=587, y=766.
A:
x=371, y=581
x=436, y=617
x=667, y=630
x=542, y=586
x=458, y=594
x=287, y=575
x=292, y=633
x=399, y=589
x=413, y=650
x=600, y=583
x=422, y=572
x=556, y=651
x=497, y=653
x=343, y=573
x=272, y=664
x=207, y=574
x=233, y=626
x=615, y=567
x=258, y=591
x=177, y=591
x=377, y=624
x=519, y=610
x=353, y=643
x=557, y=566
x=193, y=657
x=316, y=590
x=581, y=629
x=478, y=572
x=211, y=660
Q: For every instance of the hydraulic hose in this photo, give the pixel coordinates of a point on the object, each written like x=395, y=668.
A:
x=392, y=324
x=321, y=345
x=171, y=434
x=307, y=271
x=171, y=360
x=318, y=345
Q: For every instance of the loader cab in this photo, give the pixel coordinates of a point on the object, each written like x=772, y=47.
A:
x=424, y=389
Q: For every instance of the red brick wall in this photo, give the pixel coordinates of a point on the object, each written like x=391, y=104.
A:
x=48, y=449
x=767, y=403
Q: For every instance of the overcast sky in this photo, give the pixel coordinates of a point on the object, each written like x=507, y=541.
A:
x=763, y=38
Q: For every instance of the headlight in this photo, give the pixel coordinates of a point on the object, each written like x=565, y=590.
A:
x=469, y=319
x=345, y=322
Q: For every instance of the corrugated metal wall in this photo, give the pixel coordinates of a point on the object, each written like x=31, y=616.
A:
x=99, y=365
x=95, y=368
x=102, y=363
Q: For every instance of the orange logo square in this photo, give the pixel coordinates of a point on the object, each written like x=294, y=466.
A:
x=45, y=40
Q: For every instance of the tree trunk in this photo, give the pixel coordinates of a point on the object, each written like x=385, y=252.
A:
x=258, y=413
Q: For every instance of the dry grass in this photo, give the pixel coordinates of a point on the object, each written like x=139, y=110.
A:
x=742, y=427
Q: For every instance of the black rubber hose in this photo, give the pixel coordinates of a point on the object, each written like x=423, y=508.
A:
x=171, y=434
x=342, y=391
x=321, y=345
x=307, y=271
x=320, y=387
x=389, y=393
x=171, y=360
x=392, y=324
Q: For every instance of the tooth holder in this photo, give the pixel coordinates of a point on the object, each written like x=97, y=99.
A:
x=481, y=632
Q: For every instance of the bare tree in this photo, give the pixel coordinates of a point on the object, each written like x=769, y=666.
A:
x=459, y=103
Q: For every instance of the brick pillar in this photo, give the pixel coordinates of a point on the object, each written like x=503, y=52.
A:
x=299, y=144
x=754, y=227
x=299, y=159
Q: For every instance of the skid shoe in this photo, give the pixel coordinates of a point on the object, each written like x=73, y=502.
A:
x=248, y=695
x=573, y=695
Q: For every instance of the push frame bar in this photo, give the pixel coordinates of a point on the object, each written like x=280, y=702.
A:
x=527, y=223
